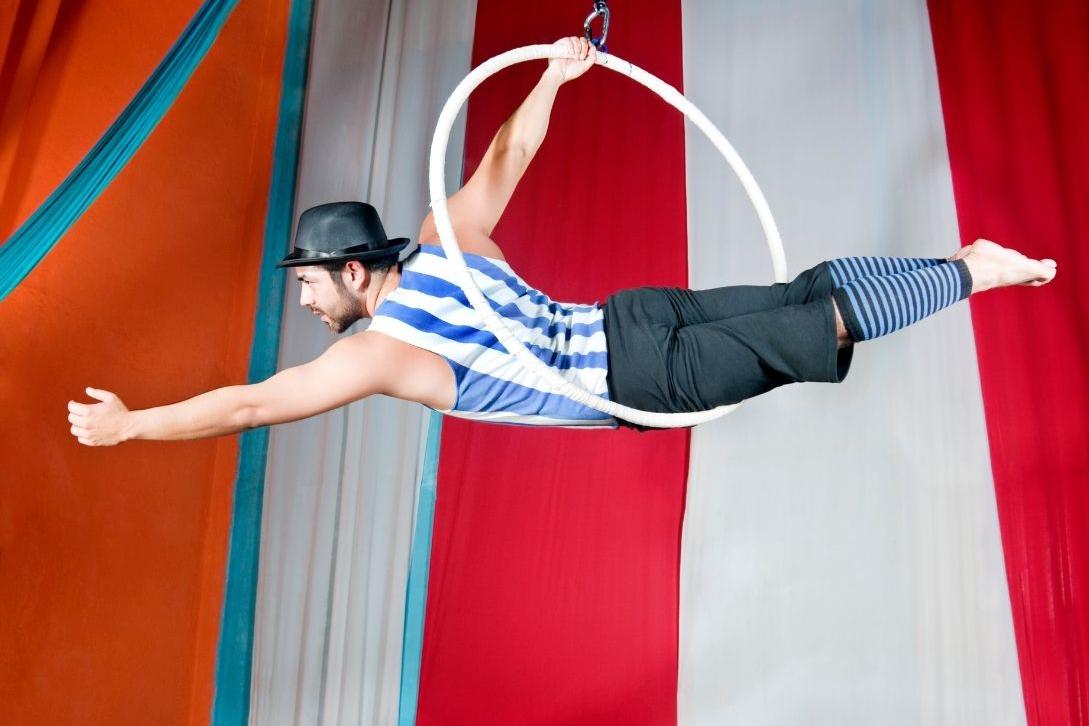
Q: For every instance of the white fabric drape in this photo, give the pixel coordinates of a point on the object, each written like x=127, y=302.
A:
x=841, y=559
x=340, y=489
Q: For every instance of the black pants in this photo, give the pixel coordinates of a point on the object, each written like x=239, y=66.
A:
x=678, y=350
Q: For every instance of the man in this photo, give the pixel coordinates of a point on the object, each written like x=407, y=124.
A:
x=653, y=348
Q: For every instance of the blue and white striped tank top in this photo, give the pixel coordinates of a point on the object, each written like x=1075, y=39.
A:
x=429, y=310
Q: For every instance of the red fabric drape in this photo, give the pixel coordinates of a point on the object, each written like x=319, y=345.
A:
x=553, y=588
x=1013, y=77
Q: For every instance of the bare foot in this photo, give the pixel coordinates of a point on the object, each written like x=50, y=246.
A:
x=993, y=265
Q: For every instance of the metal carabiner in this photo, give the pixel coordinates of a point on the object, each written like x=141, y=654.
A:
x=601, y=8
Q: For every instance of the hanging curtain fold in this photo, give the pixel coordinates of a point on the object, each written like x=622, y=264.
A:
x=234, y=661
x=343, y=489
x=25, y=31
x=44, y=228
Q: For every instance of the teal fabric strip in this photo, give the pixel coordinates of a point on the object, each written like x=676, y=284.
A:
x=231, y=702
x=38, y=235
x=419, y=564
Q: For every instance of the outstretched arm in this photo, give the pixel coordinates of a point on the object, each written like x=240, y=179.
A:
x=477, y=207
x=338, y=376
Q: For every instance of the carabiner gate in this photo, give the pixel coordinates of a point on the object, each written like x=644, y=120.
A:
x=601, y=8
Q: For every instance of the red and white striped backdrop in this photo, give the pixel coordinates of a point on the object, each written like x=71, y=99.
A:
x=906, y=547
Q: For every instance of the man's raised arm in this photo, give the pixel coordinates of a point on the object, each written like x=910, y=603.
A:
x=478, y=206
x=338, y=376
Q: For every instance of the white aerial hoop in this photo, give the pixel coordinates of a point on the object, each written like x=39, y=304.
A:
x=495, y=324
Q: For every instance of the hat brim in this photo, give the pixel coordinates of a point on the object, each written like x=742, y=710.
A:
x=305, y=258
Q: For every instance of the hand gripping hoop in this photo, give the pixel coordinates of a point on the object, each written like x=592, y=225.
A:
x=500, y=329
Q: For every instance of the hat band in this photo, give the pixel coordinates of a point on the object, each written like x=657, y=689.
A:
x=363, y=250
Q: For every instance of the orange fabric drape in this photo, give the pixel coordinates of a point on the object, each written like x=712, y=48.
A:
x=112, y=559
x=26, y=28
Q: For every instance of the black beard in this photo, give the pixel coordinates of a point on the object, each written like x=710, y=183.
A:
x=349, y=310
x=345, y=319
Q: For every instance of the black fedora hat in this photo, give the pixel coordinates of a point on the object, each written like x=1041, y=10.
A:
x=342, y=231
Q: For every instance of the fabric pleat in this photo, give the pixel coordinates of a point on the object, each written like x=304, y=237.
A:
x=344, y=489
x=1013, y=75
x=38, y=234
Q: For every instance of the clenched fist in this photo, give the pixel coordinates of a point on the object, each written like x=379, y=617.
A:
x=567, y=69
x=98, y=424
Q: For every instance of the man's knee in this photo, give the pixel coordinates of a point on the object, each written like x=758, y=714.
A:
x=810, y=285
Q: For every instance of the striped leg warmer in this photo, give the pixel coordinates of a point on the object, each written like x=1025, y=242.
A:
x=877, y=304
x=847, y=269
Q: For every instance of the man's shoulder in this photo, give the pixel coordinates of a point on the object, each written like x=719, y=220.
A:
x=389, y=351
x=474, y=244
x=380, y=355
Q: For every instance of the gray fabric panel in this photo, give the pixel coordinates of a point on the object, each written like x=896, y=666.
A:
x=841, y=558
x=341, y=487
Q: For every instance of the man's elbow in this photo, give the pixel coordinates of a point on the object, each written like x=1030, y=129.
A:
x=517, y=153
x=258, y=413
x=251, y=408
x=250, y=417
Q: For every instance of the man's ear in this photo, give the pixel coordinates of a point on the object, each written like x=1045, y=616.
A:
x=357, y=274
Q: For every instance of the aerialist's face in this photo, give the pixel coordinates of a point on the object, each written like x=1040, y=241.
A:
x=329, y=296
